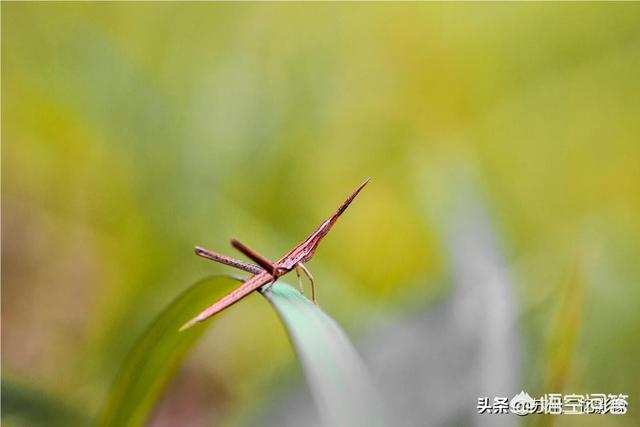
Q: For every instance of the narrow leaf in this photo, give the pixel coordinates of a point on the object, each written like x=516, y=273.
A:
x=337, y=377
x=157, y=354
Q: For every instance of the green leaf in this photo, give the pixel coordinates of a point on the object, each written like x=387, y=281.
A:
x=22, y=405
x=157, y=355
x=337, y=377
x=339, y=381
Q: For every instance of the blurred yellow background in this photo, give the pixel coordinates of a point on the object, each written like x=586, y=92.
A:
x=134, y=131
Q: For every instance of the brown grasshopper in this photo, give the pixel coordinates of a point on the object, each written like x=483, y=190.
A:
x=267, y=272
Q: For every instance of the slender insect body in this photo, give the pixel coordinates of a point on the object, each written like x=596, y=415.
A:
x=268, y=272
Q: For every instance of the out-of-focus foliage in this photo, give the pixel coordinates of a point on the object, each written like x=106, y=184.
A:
x=133, y=131
x=157, y=354
x=23, y=405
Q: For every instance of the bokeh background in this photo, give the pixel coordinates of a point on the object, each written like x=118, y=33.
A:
x=496, y=248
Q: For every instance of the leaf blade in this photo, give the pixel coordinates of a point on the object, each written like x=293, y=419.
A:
x=337, y=377
x=157, y=354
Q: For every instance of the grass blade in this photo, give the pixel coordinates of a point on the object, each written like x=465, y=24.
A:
x=338, y=379
x=157, y=355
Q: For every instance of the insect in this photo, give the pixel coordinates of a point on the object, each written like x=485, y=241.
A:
x=267, y=272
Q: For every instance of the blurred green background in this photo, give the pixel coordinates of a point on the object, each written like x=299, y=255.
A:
x=133, y=131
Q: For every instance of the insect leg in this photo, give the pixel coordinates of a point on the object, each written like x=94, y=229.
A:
x=297, y=269
x=313, y=286
x=223, y=259
x=256, y=257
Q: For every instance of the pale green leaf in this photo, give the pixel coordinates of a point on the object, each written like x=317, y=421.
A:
x=337, y=377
